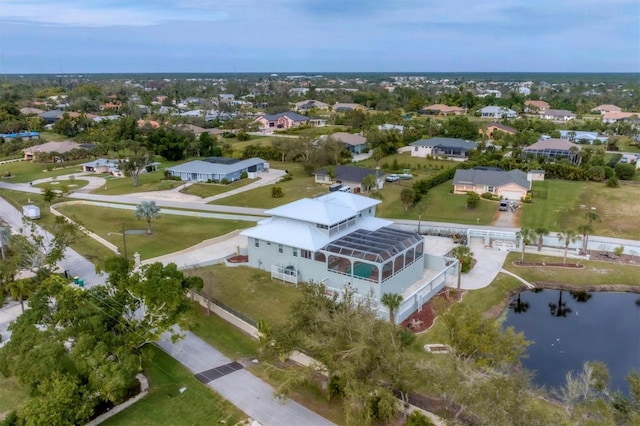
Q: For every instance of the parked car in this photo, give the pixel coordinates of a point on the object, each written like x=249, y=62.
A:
x=392, y=178
x=504, y=206
x=405, y=176
x=345, y=189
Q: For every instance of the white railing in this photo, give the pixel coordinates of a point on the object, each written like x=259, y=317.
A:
x=284, y=273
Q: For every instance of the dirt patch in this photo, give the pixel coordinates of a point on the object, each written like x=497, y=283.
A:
x=605, y=256
x=419, y=322
x=240, y=258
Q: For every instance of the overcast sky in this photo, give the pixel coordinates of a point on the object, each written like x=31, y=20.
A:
x=83, y=36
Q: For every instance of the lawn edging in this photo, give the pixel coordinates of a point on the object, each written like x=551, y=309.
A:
x=144, y=386
x=96, y=237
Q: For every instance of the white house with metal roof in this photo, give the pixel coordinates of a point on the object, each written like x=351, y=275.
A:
x=216, y=169
x=336, y=240
x=438, y=146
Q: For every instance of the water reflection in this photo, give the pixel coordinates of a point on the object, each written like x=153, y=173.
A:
x=570, y=328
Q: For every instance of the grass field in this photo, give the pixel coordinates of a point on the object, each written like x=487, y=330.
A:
x=12, y=395
x=562, y=204
x=56, y=185
x=204, y=190
x=420, y=167
x=165, y=405
x=440, y=205
x=625, y=145
x=249, y=291
x=171, y=232
x=301, y=186
x=593, y=273
x=146, y=182
x=239, y=146
x=24, y=171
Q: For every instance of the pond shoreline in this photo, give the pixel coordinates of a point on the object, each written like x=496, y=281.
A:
x=496, y=310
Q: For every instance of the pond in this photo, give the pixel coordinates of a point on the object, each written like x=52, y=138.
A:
x=569, y=328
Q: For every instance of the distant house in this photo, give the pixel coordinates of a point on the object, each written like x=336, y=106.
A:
x=350, y=176
x=287, y=120
x=450, y=147
x=614, y=117
x=50, y=117
x=30, y=111
x=601, y=109
x=535, y=175
x=558, y=115
x=536, y=106
x=20, y=135
x=356, y=144
x=216, y=169
x=553, y=149
x=32, y=152
x=308, y=105
x=103, y=165
x=492, y=128
x=197, y=130
x=148, y=123
x=582, y=137
x=511, y=185
x=497, y=112
x=391, y=128
x=344, y=107
x=440, y=109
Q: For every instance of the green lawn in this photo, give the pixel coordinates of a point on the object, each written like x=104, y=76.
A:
x=165, y=405
x=146, y=182
x=204, y=190
x=420, y=167
x=440, y=205
x=625, y=145
x=12, y=394
x=314, y=131
x=24, y=171
x=559, y=204
x=249, y=291
x=171, y=232
x=594, y=272
x=71, y=185
x=301, y=186
x=239, y=146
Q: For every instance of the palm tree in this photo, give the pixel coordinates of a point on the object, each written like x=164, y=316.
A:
x=568, y=236
x=525, y=235
x=541, y=232
x=5, y=236
x=585, y=230
x=391, y=301
x=461, y=253
x=148, y=210
x=20, y=290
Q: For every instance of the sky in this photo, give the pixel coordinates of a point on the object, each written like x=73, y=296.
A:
x=126, y=36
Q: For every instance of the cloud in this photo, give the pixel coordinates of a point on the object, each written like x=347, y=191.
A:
x=101, y=13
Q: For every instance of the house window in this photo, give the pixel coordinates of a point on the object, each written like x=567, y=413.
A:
x=305, y=253
x=295, y=252
x=257, y=243
x=490, y=189
x=415, y=148
x=280, y=248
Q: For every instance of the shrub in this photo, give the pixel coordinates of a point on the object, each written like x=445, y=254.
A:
x=286, y=178
x=527, y=198
x=244, y=175
x=625, y=171
x=416, y=418
x=243, y=136
x=618, y=250
x=376, y=194
x=473, y=199
x=276, y=192
x=613, y=182
x=224, y=181
x=487, y=196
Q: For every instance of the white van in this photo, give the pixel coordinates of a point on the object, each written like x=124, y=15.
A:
x=345, y=189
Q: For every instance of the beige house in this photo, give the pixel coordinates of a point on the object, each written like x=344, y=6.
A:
x=512, y=185
x=344, y=107
x=308, y=105
x=536, y=106
x=441, y=109
x=31, y=153
x=606, y=108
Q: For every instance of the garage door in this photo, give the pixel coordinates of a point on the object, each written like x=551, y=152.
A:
x=511, y=195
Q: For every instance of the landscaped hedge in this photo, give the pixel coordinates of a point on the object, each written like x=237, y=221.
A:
x=422, y=186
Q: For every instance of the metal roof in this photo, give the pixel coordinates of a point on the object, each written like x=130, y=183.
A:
x=374, y=246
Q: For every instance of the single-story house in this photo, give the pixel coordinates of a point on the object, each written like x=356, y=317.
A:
x=582, y=137
x=337, y=240
x=30, y=111
x=606, y=108
x=148, y=123
x=553, y=148
x=31, y=153
x=351, y=176
x=497, y=112
x=391, y=128
x=287, y=120
x=50, y=117
x=492, y=128
x=440, y=109
x=20, y=135
x=216, y=169
x=511, y=185
x=356, y=144
x=613, y=117
x=558, y=115
x=311, y=104
x=197, y=130
x=450, y=147
x=536, y=106
x=344, y=107
x=103, y=165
